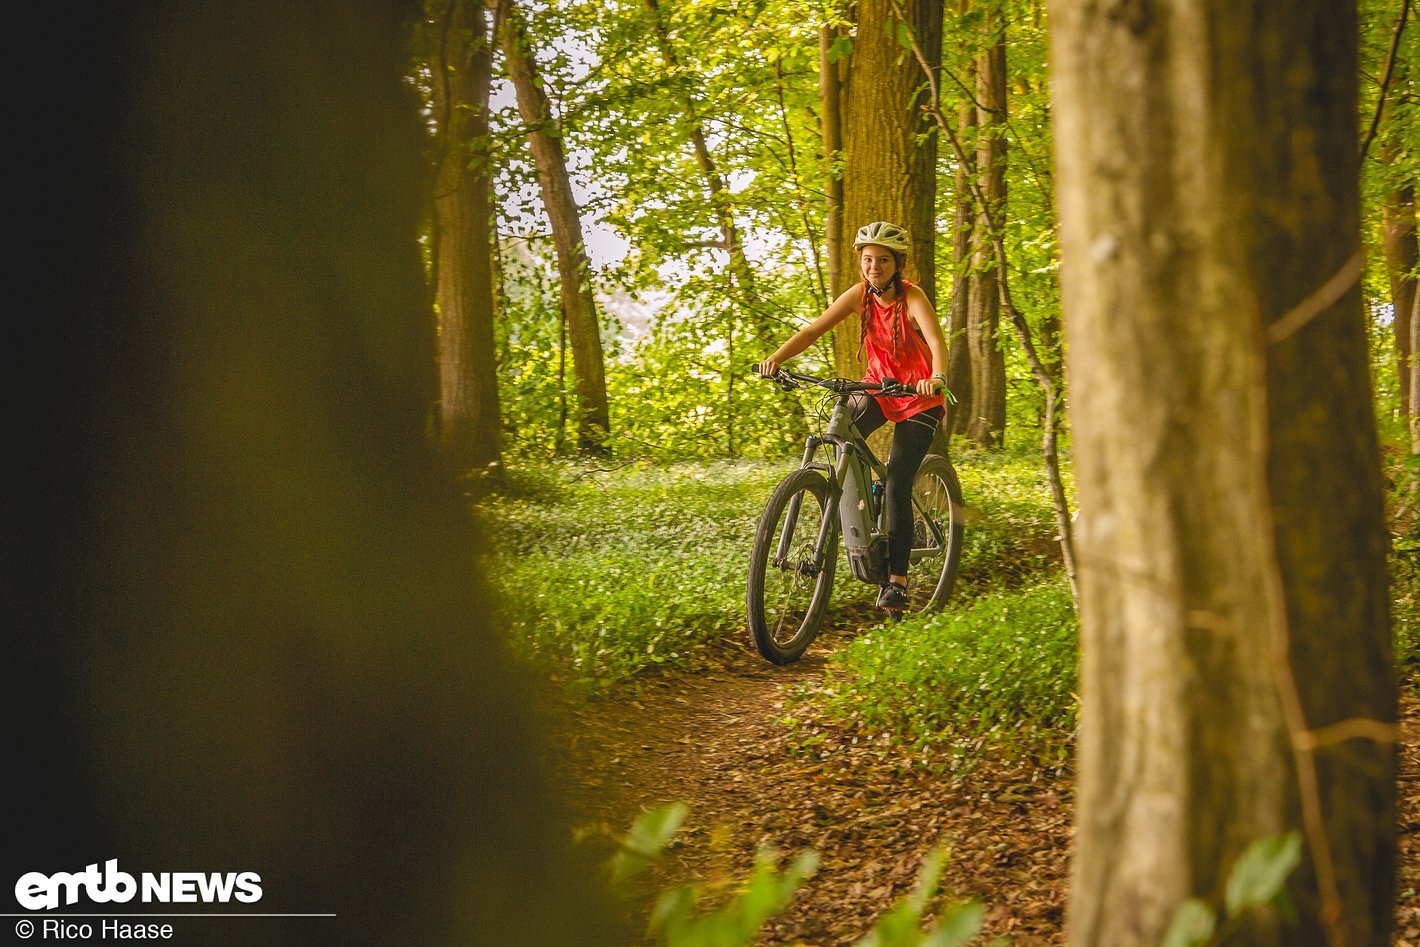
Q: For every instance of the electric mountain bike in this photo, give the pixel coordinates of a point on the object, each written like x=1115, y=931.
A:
x=840, y=496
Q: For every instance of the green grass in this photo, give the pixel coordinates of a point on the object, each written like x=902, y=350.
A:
x=999, y=666
x=1011, y=527
x=1405, y=605
x=603, y=573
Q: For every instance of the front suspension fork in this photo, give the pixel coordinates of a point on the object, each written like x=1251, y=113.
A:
x=791, y=518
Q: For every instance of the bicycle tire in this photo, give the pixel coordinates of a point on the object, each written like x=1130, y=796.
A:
x=936, y=489
x=780, y=628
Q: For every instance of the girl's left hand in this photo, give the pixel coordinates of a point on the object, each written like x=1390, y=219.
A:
x=927, y=387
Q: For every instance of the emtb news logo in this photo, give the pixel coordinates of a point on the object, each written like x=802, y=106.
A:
x=37, y=891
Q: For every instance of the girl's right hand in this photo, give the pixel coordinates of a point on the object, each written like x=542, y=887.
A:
x=767, y=368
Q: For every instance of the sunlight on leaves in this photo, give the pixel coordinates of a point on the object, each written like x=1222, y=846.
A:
x=901, y=926
x=650, y=834
x=1192, y=926
x=1261, y=870
x=766, y=893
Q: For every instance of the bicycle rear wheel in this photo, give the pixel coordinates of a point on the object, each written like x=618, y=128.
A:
x=937, y=514
x=789, y=585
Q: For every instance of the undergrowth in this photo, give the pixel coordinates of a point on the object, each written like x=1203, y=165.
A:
x=1010, y=535
x=1405, y=606
x=603, y=573
x=999, y=672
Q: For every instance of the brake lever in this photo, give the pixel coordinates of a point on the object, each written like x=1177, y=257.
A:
x=892, y=388
x=781, y=378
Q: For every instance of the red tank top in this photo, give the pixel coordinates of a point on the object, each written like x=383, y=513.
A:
x=909, y=361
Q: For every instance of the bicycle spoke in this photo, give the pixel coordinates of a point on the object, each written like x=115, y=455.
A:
x=795, y=586
x=936, y=537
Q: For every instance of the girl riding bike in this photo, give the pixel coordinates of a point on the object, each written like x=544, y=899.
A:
x=901, y=339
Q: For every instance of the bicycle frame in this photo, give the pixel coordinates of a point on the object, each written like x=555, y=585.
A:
x=845, y=475
x=861, y=515
x=794, y=557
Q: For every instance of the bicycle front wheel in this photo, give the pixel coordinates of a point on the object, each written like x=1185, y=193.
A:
x=790, y=574
x=937, y=514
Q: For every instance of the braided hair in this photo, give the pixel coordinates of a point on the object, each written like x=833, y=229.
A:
x=899, y=306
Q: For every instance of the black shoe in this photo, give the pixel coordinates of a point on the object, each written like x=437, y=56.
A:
x=893, y=596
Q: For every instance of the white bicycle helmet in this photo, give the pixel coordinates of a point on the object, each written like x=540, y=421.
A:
x=883, y=234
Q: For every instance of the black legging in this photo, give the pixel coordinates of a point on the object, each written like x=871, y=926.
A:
x=910, y=440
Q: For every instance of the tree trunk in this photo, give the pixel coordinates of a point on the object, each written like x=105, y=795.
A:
x=1415, y=377
x=249, y=627
x=1237, y=680
x=959, y=375
x=1401, y=252
x=470, y=421
x=831, y=121
x=986, y=421
x=888, y=173
x=545, y=137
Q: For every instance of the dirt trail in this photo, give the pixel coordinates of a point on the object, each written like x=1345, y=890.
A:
x=683, y=738
x=718, y=737
x=717, y=740
x=1407, y=912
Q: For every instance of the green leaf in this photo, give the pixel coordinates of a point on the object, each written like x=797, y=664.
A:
x=672, y=913
x=904, y=36
x=735, y=925
x=842, y=48
x=899, y=927
x=957, y=925
x=1193, y=924
x=927, y=880
x=1262, y=870
x=649, y=835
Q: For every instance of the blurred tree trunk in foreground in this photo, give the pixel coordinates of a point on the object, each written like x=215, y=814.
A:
x=1237, y=677
x=246, y=629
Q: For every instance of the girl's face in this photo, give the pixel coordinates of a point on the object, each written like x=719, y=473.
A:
x=878, y=264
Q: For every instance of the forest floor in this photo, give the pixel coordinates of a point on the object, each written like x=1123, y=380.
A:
x=717, y=738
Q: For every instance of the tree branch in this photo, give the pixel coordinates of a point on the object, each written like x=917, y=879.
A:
x=1386, y=77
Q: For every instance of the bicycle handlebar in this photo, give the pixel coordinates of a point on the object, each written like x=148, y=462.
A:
x=888, y=388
